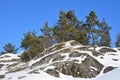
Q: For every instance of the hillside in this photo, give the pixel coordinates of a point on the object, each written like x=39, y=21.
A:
x=112, y=75
x=64, y=61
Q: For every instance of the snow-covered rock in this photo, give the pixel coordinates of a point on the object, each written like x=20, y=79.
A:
x=63, y=61
x=8, y=61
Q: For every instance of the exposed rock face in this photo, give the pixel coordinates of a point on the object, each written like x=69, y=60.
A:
x=87, y=69
x=74, y=61
x=71, y=62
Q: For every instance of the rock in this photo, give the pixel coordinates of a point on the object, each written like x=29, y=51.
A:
x=75, y=60
x=119, y=49
x=104, y=50
x=96, y=53
x=107, y=69
x=84, y=48
x=76, y=54
x=2, y=76
x=115, y=59
x=82, y=70
x=34, y=72
x=21, y=77
x=1, y=65
x=53, y=72
x=58, y=58
x=46, y=59
x=13, y=65
x=18, y=68
x=53, y=57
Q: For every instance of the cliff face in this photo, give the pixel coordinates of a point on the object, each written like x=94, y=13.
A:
x=63, y=59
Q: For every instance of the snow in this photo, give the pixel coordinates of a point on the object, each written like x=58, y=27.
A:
x=49, y=67
x=112, y=75
x=8, y=56
x=108, y=59
x=93, y=68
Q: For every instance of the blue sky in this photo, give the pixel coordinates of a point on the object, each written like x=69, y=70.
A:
x=20, y=16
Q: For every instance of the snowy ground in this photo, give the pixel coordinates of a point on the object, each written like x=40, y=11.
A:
x=112, y=75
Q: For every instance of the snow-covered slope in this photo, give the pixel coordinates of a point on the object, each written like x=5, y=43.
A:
x=64, y=61
x=112, y=75
x=6, y=61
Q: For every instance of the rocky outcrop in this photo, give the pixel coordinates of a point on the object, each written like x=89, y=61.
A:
x=87, y=69
x=71, y=62
x=67, y=58
x=74, y=61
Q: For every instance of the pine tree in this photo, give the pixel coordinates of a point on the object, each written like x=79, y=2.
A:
x=32, y=44
x=62, y=26
x=117, y=43
x=69, y=28
x=28, y=40
x=105, y=35
x=47, y=33
x=9, y=48
x=73, y=23
x=93, y=28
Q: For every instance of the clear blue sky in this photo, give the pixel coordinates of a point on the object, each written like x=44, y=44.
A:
x=20, y=16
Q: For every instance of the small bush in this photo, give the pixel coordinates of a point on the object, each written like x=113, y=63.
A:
x=25, y=56
x=59, y=46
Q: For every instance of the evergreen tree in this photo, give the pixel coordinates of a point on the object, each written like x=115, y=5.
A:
x=73, y=23
x=56, y=34
x=117, y=43
x=105, y=35
x=62, y=26
x=25, y=56
x=47, y=33
x=9, y=48
x=28, y=40
x=92, y=28
x=69, y=28
x=32, y=45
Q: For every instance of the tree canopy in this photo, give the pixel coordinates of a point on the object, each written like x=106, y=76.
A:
x=92, y=32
